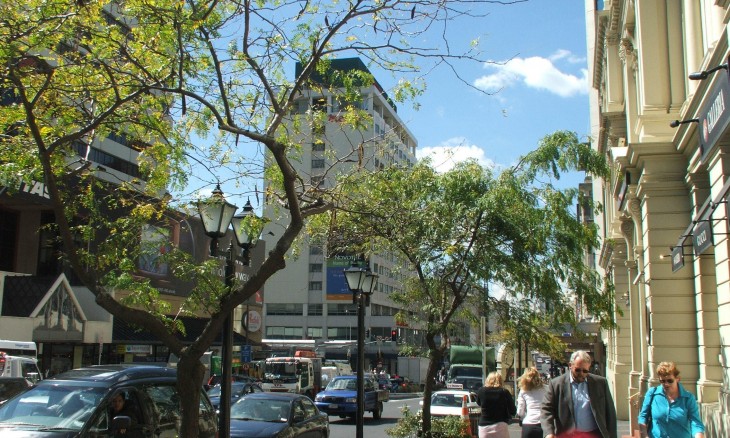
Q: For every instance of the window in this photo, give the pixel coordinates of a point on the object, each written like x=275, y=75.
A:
x=318, y=146
x=284, y=309
x=315, y=267
x=341, y=333
x=314, y=332
x=315, y=285
x=342, y=309
x=318, y=163
x=284, y=332
x=314, y=310
x=315, y=250
x=309, y=408
x=319, y=104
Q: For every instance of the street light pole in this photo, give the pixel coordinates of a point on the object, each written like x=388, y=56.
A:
x=224, y=418
x=362, y=283
x=217, y=215
x=360, y=366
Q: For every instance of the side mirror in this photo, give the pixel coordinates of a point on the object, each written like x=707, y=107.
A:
x=298, y=418
x=121, y=422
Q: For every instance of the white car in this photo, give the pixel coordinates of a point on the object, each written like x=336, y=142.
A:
x=449, y=402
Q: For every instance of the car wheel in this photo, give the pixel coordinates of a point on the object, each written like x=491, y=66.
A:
x=378, y=412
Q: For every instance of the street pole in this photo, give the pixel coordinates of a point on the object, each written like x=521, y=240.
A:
x=224, y=420
x=360, y=365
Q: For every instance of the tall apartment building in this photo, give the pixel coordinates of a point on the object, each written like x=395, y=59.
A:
x=309, y=300
x=658, y=108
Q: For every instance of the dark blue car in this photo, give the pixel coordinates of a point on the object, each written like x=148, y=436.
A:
x=269, y=415
x=238, y=390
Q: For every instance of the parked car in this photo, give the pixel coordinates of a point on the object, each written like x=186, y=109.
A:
x=404, y=385
x=449, y=402
x=12, y=386
x=277, y=414
x=77, y=404
x=238, y=390
x=215, y=379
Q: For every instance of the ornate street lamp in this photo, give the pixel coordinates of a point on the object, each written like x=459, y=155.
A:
x=361, y=282
x=217, y=215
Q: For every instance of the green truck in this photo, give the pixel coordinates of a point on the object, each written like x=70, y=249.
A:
x=469, y=365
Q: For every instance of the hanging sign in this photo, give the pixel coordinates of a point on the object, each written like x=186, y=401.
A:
x=677, y=258
x=702, y=236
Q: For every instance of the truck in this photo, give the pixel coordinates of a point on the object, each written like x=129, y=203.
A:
x=414, y=368
x=340, y=397
x=467, y=369
x=301, y=374
x=18, y=359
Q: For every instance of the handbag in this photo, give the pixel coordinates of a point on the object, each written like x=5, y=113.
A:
x=649, y=418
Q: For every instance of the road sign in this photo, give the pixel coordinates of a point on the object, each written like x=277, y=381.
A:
x=246, y=353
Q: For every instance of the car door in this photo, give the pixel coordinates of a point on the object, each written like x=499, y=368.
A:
x=300, y=424
x=317, y=424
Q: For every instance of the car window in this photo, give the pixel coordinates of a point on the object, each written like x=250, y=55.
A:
x=30, y=370
x=309, y=408
x=166, y=403
x=299, y=410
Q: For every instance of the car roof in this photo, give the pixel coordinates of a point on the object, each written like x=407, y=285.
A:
x=275, y=395
x=453, y=392
x=113, y=373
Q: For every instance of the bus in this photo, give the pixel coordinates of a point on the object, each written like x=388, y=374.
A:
x=19, y=348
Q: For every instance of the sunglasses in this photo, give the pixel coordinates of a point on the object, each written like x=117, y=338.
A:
x=670, y=381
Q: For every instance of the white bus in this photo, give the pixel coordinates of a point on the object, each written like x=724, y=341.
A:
x=19, y=348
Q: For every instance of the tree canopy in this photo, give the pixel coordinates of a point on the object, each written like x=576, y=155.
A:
x=474, y=228
x=164, y=77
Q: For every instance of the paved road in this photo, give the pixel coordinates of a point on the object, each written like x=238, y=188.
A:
x=345, y=428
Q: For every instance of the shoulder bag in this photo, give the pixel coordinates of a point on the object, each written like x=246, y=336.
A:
x=649, y=418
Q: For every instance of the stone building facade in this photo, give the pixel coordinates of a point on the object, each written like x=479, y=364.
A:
x=660, y=80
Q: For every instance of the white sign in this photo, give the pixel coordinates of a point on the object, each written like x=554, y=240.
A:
x=252, y=321
x=138, y=349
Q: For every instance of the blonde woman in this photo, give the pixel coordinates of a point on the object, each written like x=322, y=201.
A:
x=498, y=408
x=532, y=390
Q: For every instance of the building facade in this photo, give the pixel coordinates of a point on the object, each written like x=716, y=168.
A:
x=309, y=300
x=660, y=80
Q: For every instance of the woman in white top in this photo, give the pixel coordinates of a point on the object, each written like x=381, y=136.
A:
x=532, y=391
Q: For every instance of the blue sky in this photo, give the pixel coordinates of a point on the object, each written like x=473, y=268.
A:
x=536, y=82
x=538, y=85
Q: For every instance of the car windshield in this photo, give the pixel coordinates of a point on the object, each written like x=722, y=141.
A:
x=260, y=409
x=236, y=388
x=343, y=384
x=449, y=400
x=57, y=406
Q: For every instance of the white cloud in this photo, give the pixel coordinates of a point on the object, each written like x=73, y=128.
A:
x=452, y=151
x=535, y=72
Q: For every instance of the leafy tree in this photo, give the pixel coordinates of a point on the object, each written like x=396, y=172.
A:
x=512, y=228
x=74, y=73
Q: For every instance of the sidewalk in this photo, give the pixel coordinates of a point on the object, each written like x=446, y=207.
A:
x=623, y=429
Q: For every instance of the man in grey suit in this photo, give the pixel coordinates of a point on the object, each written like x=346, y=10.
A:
x=578, y=404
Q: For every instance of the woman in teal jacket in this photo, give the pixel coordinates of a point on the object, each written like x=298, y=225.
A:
x=671, y=409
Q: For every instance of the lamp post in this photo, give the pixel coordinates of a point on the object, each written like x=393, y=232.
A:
x=361, y=282
x=217, y=215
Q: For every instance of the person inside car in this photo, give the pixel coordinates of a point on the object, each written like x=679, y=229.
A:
x=120, y=406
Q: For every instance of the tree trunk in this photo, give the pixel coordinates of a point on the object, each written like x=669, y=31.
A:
x=193, y=370
x=435, y=355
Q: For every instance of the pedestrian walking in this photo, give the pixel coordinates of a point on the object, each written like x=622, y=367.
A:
x=578, y=404
x=497, y=407
x=529, y=400
x=669, y=410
